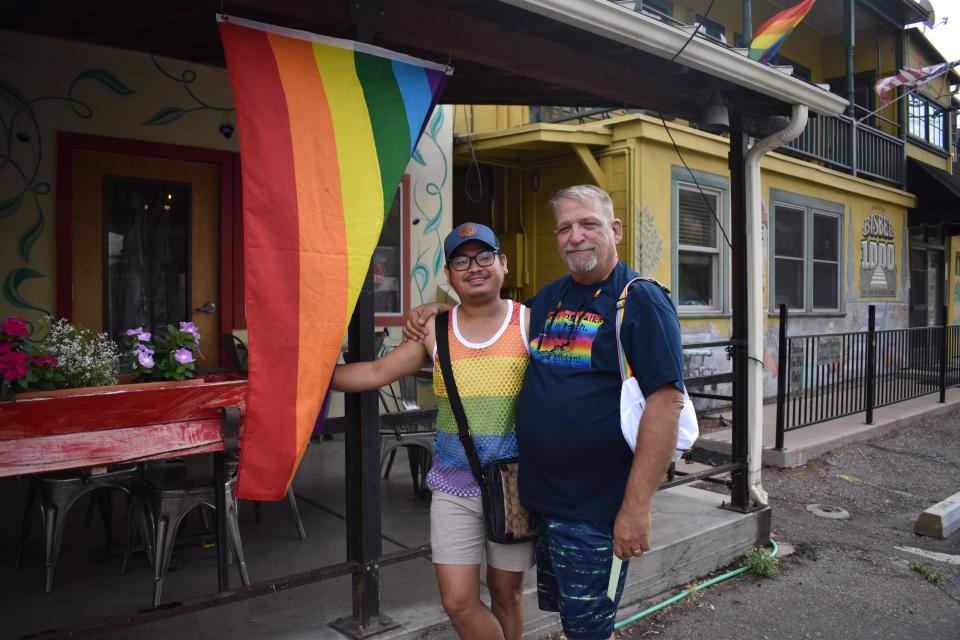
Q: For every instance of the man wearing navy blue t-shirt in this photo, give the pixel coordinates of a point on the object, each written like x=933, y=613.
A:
x=593, y=494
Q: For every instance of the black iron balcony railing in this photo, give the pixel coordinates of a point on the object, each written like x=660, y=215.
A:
x=852, y=147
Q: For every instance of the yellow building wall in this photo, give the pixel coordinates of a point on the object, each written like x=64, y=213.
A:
x=937, y=160
x=470, y=118
x=859, y=199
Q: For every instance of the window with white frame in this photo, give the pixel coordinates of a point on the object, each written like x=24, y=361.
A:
x=806, y=258
x=925, y=120
x=698, y=248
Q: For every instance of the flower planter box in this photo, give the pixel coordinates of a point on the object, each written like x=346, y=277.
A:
x=71, y=428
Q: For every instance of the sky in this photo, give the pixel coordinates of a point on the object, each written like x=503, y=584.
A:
x=946, y=37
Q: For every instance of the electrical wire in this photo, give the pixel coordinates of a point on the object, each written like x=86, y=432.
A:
x=695, y=31
x=474, y=164
x=695, y=181
x=700, y=587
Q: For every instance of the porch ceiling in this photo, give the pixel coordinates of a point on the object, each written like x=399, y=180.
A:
x=502, y=54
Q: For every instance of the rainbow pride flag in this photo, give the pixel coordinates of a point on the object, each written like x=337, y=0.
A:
x=771, y=34
x=326, y=128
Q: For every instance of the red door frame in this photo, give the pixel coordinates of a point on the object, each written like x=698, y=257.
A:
x=231, y=239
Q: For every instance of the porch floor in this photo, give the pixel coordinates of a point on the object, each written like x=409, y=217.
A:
x=692, y=536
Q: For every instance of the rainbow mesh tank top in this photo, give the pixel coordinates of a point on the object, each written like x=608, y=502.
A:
x=489, y=377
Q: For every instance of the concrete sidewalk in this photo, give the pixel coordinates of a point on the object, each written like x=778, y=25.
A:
x=805, y=444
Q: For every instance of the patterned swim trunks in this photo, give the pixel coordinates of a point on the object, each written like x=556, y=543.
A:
x=574, y=559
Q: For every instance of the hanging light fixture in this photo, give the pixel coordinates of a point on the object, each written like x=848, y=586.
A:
x=714, y=118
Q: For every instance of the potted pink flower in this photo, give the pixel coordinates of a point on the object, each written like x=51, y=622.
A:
x=22, y=366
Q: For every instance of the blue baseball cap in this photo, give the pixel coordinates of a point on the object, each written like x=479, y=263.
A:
x=465, y=233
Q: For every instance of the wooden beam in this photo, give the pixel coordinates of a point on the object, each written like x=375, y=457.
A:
x=593, y=167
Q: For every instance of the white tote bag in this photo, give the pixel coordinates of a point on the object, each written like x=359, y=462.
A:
x=632, y=402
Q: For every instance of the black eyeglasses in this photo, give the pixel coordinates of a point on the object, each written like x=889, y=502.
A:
x=462, y=263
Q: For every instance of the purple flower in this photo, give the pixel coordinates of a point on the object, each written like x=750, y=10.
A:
x=191, y=328
x=142, y=336
x=142, y=349
x=146, y=359
x=183, y=356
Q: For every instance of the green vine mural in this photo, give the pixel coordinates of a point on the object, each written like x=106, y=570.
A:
x=429, y=207
x=167, y=115
x=21, y=156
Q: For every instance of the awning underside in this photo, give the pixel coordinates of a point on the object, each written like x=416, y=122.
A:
x=938, y=193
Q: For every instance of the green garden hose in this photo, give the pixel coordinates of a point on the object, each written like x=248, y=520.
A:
x=700, y=587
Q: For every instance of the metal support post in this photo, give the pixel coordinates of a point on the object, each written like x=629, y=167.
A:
x=362, y=463
x=944, y=354
x=740, y=494
x=224, y=465
x=871, y=360
x=782, y=378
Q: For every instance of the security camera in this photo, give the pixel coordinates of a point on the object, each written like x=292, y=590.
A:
x=226, y=130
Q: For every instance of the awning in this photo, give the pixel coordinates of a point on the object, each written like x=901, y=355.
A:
x=938, y=195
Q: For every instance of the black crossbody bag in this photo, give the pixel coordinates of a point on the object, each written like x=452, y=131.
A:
x=507, y=521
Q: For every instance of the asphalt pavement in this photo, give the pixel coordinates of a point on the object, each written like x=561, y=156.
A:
x=845, y=578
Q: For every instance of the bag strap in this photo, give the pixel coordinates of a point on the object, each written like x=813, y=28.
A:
x=625, y=371
x=453, y=396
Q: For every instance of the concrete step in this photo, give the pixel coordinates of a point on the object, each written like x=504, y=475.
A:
x=692, y=536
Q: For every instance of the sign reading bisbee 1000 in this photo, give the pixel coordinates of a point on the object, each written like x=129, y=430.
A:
x=878, y=265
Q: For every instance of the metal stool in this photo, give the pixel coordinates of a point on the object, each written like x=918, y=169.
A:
x=58, y=492
x=294, y=511
x=172, y=490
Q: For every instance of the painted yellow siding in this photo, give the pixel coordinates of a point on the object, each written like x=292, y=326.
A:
x=929, y=157
x=488, y=118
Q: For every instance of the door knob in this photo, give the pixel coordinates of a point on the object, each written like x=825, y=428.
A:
x=210, y=307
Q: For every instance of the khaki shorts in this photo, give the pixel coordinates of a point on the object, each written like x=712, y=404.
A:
x=457, y=536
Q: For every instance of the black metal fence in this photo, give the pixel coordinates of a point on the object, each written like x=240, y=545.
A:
x=827, y=376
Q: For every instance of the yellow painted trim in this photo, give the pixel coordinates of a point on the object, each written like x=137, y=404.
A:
x=591, y=164
x=541, y=132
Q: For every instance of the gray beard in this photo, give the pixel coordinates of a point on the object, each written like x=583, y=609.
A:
x=576, y=265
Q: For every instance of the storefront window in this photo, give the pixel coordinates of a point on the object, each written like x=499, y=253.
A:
x=806, y=261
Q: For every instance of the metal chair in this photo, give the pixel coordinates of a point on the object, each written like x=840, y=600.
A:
x=407, y=426
x=236, y=350
x=172, y=490
x=56, y=493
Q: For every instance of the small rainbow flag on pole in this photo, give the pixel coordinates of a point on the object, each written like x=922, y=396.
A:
x=326, y=128
x=771, y=34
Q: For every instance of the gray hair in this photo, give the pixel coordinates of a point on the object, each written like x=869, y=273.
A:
x=583, y=193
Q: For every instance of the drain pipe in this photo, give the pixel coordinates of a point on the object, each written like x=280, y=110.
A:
x=755, y=306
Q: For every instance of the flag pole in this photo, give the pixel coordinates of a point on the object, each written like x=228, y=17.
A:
x=912, y=90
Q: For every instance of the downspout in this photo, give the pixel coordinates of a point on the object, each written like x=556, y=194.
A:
x=755, y=306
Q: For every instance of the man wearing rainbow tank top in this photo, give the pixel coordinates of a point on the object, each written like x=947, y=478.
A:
x=594, y=496
x=489, y=356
